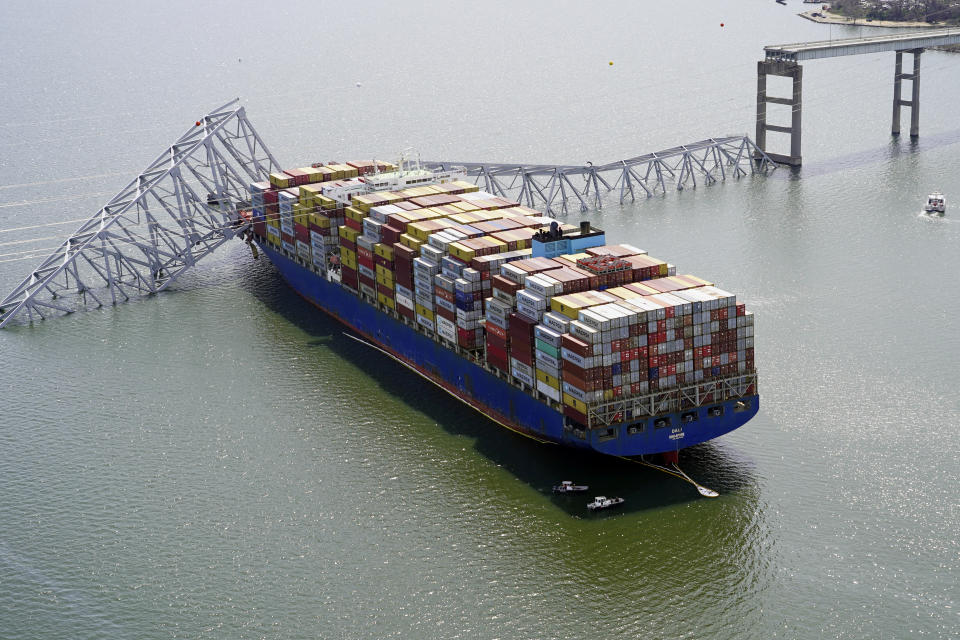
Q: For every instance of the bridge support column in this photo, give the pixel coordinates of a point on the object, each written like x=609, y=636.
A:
x=914, y=102
x=789, y=70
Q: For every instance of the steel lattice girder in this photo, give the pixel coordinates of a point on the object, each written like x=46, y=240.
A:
x=157, y=227
x=548, y=186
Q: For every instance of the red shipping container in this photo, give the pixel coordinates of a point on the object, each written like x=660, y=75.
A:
x=573, y=370
x=524, y=356
x=499, y=343
x=390, y=234
x=446, y=313
x=286, y=237
x=406, y=312
x=301, y=233
x=260, y=228
x=349, y=277
x=495, y=352
x=385, y=290
x=574, y=415
x=353, y=224
x=494, y=330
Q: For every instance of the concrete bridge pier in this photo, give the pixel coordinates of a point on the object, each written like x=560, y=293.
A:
x=789, y=70
x=914, y=102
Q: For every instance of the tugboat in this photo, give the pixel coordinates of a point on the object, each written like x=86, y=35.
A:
x=602, y=502
x=568, y=487
x=936, y=204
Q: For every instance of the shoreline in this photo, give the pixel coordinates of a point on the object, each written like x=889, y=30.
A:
x=826, y=17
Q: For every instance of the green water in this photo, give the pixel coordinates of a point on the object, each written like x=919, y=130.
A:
x=220, y=462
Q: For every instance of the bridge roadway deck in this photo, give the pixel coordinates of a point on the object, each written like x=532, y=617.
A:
x=801, y=51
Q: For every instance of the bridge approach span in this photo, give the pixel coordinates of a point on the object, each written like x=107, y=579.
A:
x=784, y=60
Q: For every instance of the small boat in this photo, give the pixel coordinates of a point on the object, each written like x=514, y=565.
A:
x=568, y=487
x=936, y=203
x=602, y=502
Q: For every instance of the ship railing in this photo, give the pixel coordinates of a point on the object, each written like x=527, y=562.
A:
x=603, y=415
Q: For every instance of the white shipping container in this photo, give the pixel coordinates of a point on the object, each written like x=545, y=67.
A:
x=575, y=358
x=523, y=377
x=531, y=299
x=425, y=322
x=498, y=321
x=445, y=304
x=557, y=321
x=531, y=313
x=273, y=231
x=446, y=329
x=547, y=334
x=289, y=246
x=405, y=301
x=547, y=363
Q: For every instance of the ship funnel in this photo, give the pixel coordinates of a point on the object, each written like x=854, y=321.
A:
x=585, y=227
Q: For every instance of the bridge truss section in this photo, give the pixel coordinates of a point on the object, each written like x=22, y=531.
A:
x=176, y=212
x=554, y=188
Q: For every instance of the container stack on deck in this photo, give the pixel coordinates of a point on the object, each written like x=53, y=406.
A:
x=579, y=329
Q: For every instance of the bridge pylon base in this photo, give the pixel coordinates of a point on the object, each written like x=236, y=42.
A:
x=914, y=102
x=795, y=72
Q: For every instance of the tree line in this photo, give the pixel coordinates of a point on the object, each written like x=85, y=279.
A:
x=900, y=10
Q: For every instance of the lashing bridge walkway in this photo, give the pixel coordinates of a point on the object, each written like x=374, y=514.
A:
x=186, y=204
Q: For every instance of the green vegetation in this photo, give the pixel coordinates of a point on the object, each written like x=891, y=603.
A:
x=946, y=11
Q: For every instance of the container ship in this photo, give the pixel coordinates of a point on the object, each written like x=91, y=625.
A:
x=546, y=328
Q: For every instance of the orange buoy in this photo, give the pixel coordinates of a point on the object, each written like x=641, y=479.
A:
x=198, y=123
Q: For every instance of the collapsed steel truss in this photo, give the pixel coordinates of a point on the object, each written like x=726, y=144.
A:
x=180, y=209
x=548, y=187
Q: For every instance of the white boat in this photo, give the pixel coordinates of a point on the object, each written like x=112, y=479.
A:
x=568, y=487
x=936, y=203
x=602, y=502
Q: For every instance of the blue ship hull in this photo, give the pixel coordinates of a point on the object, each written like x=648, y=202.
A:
x=496, y=397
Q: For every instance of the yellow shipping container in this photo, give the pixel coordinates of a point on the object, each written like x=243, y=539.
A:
x=409, y=241
x=301, y=214
x=280, y=179
x=321, y=221
x=423, y=311
x=546, y=378
x=462, y=252
x=383, y=299
x=348, y=258
x=344, y=171
x=500, y=245
x=326, y=173
x=309, y=193
x=273, y=222
x=468, y=187
x=326, y=202
x=315, y=175
x=385, y=251
x=274, y=240
x=384, y=277
x=348, y=233
x=355, y=214
x=570, y=401
x=569, y=305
